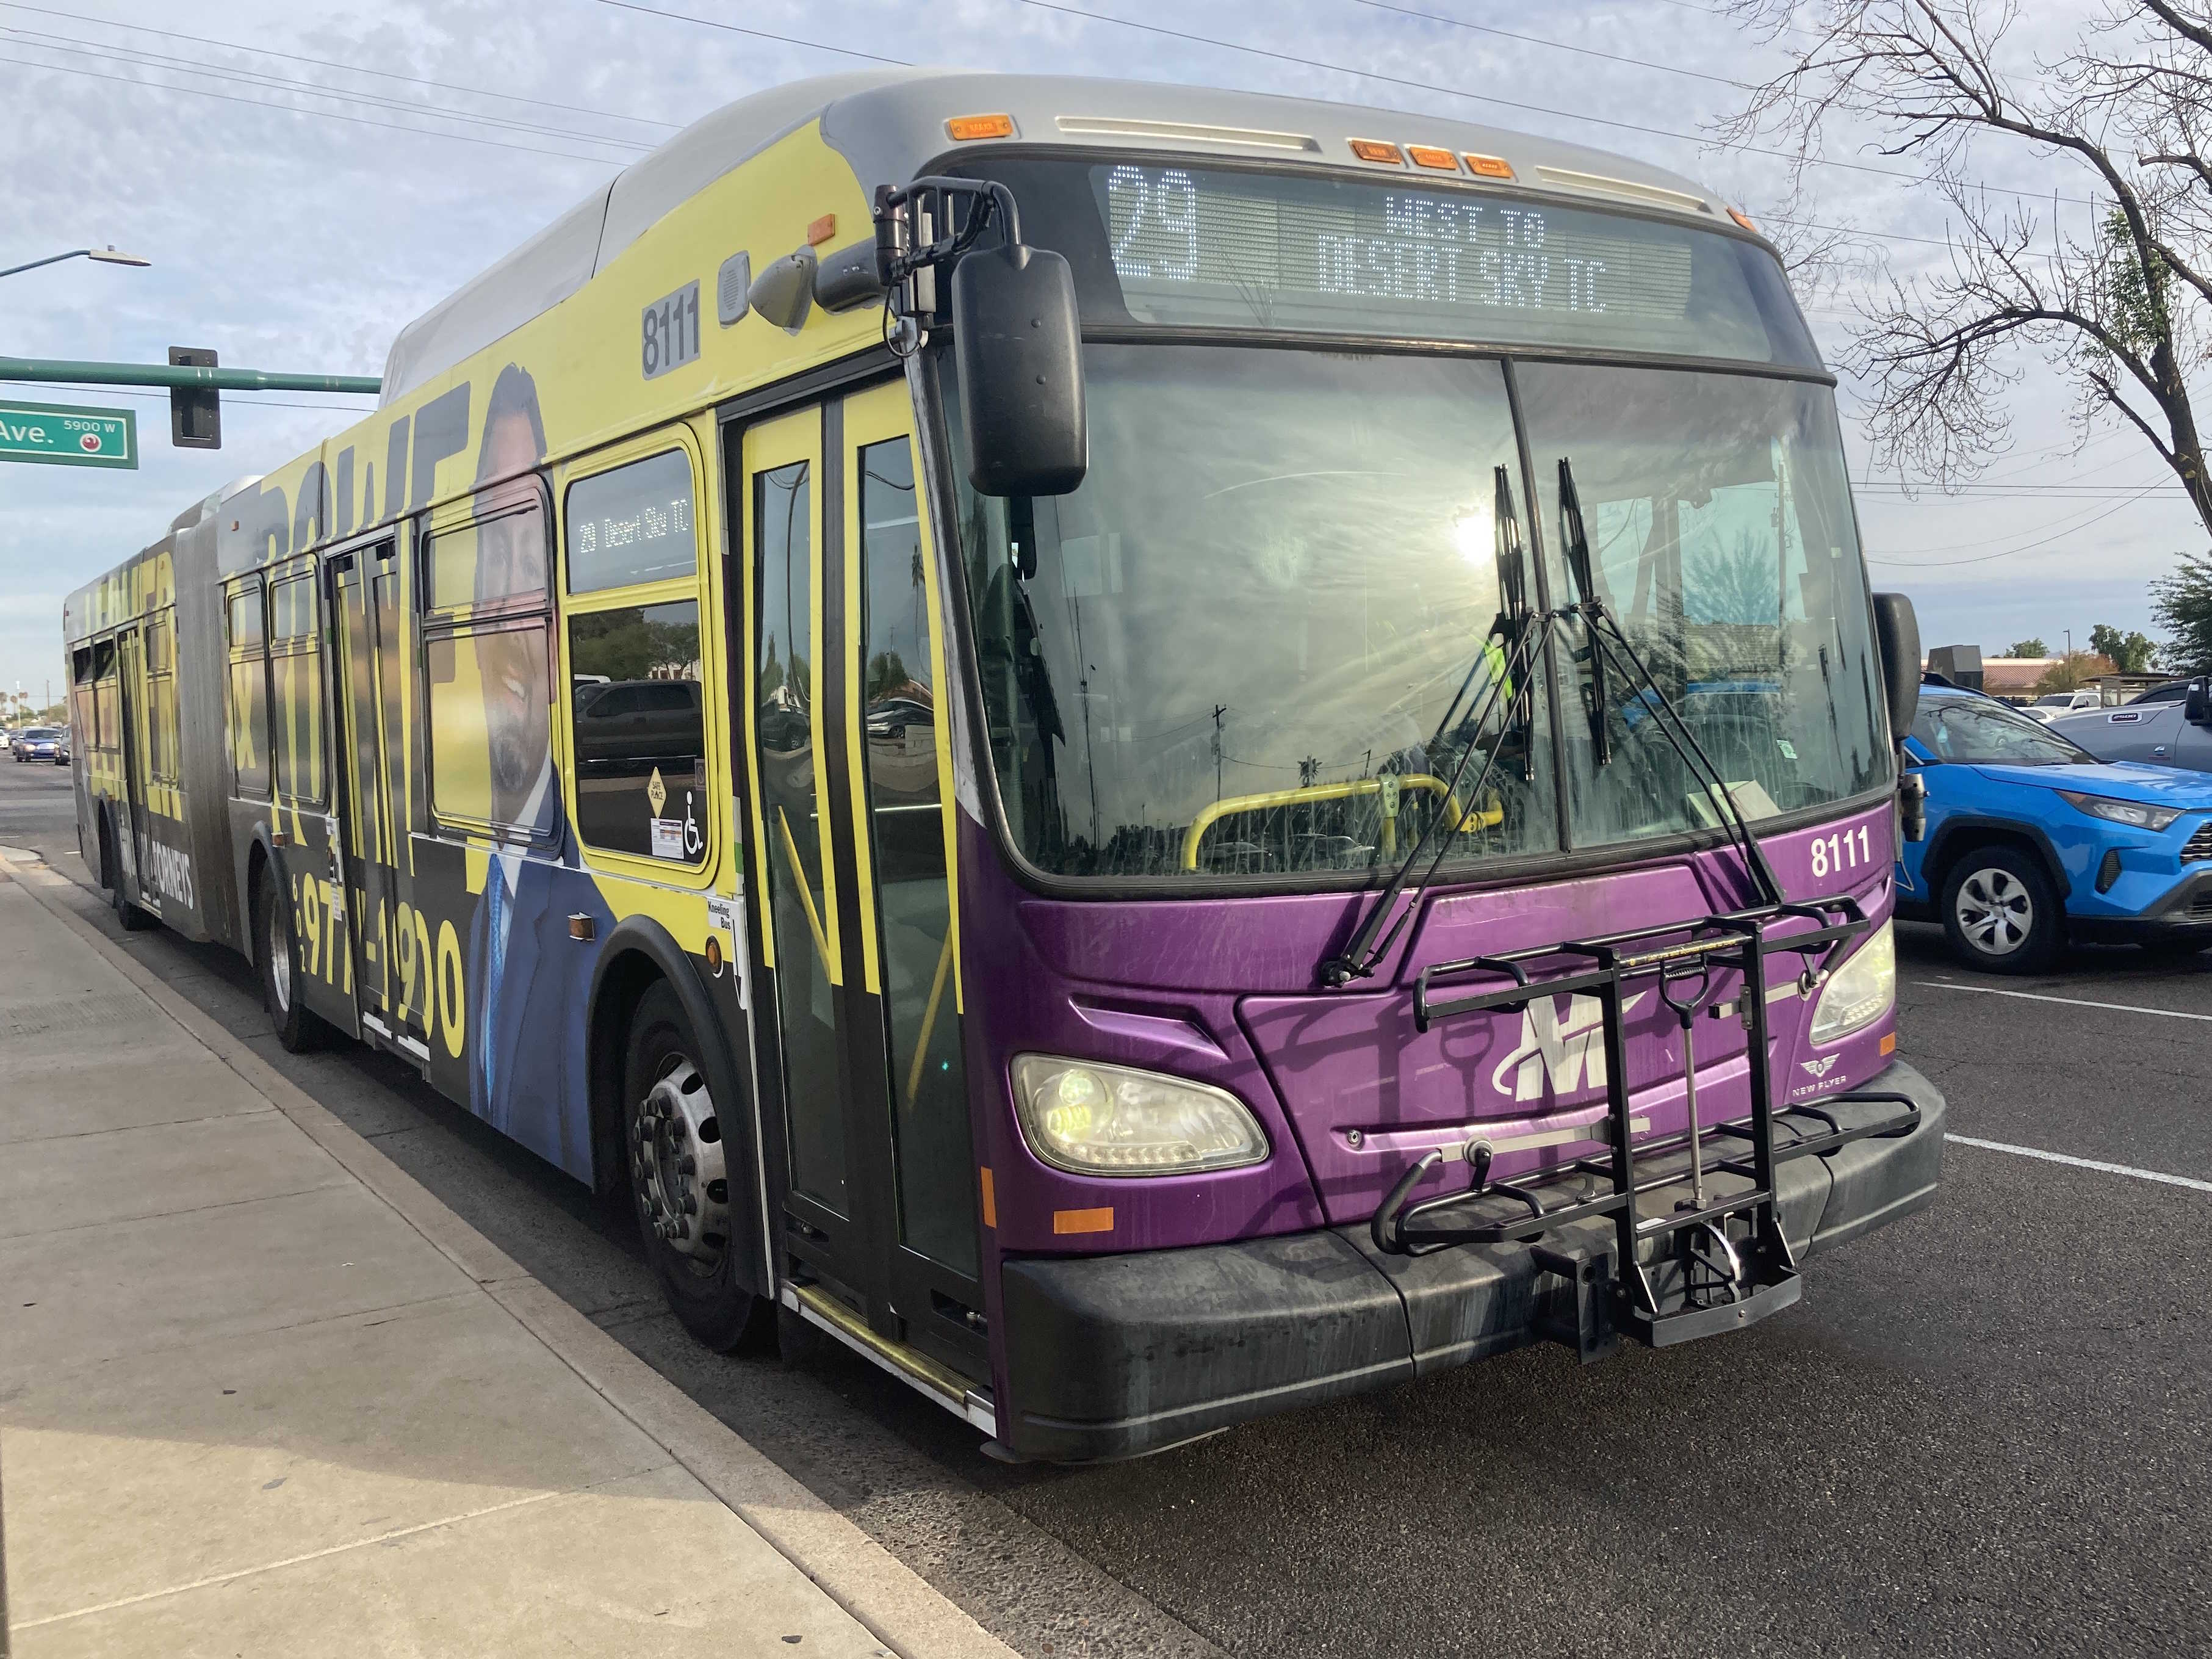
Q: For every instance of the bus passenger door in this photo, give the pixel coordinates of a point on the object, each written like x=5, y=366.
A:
x=130, y=834
x=361, y=611
x=850, y=773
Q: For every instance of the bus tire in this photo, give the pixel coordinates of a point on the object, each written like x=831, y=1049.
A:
x=128, y=916
x=277, y=949
x=680, y=1189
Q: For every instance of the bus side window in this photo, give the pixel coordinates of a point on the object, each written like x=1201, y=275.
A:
x=487, y=647
x=296, y=674
x=161, y=743
x=107, y=734
x=636, y=692
x=81, y=705
x=246, y=702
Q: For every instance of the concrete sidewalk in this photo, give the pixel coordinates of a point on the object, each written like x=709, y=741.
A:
x=261, y=1393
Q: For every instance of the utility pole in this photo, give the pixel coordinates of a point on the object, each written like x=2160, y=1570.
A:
x=1220, y=709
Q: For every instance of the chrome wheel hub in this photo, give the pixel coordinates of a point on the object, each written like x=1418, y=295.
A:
x=280, y=960
x=678, y=1168
x=1994, y=912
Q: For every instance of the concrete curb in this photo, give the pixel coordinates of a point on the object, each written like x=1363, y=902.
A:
x=898, y=1607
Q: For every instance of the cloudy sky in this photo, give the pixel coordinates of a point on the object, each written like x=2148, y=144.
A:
x=308, y=175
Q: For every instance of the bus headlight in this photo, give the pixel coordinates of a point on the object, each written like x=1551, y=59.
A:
x=1860, y=991
x=1094, y=1120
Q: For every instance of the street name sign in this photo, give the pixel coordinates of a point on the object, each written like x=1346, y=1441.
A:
x=59, y=434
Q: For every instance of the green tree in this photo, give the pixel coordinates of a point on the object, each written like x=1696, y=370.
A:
x=2028, y=647
x=2132, y=653
x=2182, y=605
x=2072, y=671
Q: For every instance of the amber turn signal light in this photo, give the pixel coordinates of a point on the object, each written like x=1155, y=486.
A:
x=1374, y=149
x=965, y=127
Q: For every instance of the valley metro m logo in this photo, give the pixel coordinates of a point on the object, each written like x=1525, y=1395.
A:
x=1567, y=1046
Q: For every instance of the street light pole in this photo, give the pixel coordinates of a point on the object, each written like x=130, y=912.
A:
x=104, y=255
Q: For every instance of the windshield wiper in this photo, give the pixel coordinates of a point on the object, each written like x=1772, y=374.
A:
x=1604, y=635
x=1511, y=649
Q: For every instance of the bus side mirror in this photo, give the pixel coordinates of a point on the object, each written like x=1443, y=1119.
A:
x=1020, y=350
x=1897, y=635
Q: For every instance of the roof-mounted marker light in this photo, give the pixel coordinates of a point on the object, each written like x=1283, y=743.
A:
x=965, y=127
x=1374, y=149
x=1428, y=155
x=823, y=230
x=1488, y=167
x=1743, y=219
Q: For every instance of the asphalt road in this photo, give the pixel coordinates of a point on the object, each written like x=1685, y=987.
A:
x=1985, y=1433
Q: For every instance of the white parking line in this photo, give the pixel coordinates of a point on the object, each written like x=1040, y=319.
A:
x=2071, y=1001
x=2084, y=1163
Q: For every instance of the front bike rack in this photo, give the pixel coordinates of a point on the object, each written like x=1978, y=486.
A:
x=1737, y=1266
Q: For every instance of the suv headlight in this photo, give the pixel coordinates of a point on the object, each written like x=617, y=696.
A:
x=2132, y=813
x=1094, y=1120
x=1860, y=991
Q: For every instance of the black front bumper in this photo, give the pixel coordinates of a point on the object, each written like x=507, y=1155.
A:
x=2185, y=912
x=1111, y=1357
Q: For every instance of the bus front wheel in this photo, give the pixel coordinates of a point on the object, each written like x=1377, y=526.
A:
x=681, y=1185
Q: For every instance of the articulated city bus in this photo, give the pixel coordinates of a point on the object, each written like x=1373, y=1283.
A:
x=1154, y=755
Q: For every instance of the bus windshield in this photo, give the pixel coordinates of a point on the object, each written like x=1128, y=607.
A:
x=1256, y=640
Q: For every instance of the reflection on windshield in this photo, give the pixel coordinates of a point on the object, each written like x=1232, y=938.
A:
x=1988, y=734
x=1721, y=540
x=1255, y=640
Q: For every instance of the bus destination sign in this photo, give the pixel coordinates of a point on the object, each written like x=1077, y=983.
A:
x=1201, y=247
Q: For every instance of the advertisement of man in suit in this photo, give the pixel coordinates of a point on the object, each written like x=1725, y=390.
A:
x=529, y=978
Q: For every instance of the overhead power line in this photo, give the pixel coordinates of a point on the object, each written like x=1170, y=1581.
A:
x=167, y=63
x=2004, y=553
x=1555, y=45
x=757, y=34
x=1510, y=103
x=294, y=109
x=326, y=62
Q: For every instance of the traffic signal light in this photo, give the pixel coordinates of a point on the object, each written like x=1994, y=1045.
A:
x=195, y=412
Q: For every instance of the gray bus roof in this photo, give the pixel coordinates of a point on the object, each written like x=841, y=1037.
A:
x=889, y=123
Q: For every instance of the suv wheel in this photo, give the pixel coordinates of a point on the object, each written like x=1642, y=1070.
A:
x=2000, y=911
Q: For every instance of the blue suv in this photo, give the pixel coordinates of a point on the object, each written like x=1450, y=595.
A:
x=2032, y=840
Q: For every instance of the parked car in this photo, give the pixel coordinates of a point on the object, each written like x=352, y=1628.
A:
x=2061, y=702
x=2032, y=840
x=2173, y=691
x=2175, y=732
x=4, y=739
x=39, y=743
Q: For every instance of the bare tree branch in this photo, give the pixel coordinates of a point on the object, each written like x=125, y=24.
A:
x=2122, y=309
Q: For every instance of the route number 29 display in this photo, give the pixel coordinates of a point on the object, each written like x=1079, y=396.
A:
x=669, y=335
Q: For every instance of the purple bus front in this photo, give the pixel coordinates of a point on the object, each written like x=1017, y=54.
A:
x=1427, y=802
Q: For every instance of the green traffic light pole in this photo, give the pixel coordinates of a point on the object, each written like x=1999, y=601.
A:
x=176, y=376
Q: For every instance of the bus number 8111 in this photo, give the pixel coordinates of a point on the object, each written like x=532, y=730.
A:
x=669, y=334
